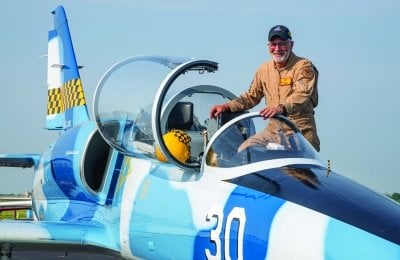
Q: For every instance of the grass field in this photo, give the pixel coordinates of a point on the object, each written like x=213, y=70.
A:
x=13, y=214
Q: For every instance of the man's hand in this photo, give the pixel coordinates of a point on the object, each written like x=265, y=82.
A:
x=272, y=111
x=218, y=109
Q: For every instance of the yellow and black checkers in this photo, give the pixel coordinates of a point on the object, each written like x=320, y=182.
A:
x=67, y=96
x=181, y=136
x=177, y=143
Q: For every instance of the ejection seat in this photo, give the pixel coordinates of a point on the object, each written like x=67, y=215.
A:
x=181, y=116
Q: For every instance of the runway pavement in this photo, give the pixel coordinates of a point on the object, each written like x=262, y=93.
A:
x=36, y=255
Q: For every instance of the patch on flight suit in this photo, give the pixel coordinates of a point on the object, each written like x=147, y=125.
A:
x=307, y=73
x=286, y=81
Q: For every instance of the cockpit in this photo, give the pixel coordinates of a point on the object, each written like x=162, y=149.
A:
x=158, y=107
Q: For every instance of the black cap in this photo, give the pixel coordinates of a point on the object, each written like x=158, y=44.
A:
x=280, y=31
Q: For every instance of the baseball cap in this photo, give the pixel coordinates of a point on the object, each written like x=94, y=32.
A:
x=280, y=31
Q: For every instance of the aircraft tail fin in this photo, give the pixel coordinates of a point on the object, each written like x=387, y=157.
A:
x=66, y=105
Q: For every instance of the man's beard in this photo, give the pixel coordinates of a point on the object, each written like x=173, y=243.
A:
x=281, y=58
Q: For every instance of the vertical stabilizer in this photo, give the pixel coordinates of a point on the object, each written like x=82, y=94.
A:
x=66, y=105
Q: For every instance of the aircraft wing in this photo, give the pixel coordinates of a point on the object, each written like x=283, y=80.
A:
x=19, y=160
x=56, y=236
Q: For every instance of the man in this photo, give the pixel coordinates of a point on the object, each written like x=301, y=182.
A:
x=288, y=83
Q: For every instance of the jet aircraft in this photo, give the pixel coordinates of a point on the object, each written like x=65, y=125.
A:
x=152, y=177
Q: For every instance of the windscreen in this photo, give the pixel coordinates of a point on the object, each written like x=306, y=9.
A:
x=254, y=139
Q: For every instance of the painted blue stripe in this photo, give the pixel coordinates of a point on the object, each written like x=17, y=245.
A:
x=260, y=210
x=68, y=56
x=52, y=34
x=256, y=229
x=117, y=168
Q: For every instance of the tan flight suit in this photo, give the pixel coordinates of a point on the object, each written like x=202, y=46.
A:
x=294, y=87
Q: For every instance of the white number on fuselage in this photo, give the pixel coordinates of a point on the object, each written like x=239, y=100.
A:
x=237, y=214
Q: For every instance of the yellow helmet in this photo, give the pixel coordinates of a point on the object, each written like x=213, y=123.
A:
x=177, y=142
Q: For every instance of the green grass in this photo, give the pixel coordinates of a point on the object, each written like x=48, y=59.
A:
x=9, y=214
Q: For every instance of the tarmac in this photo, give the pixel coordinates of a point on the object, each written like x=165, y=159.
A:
x=37, y=255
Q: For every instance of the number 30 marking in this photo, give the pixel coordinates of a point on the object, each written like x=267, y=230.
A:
x=235, y=214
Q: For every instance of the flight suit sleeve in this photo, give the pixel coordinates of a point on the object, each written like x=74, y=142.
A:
x=250, y=98
x=304, y=96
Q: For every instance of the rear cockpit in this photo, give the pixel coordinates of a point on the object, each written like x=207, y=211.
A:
x=134, y=121
x=189, y=111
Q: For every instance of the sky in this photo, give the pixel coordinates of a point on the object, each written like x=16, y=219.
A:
x=354, y=45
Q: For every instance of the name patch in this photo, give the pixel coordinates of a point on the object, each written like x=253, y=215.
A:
x=286, y=81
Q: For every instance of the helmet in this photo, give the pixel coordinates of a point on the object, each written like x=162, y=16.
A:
x=177, y=143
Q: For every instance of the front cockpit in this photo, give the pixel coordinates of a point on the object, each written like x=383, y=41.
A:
x=158, y=107
x=249, y=143
x=250, y=139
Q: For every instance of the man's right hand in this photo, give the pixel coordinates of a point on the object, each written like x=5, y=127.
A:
x=218, y=109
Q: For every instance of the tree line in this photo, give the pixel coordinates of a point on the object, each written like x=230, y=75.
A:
x=395, y=196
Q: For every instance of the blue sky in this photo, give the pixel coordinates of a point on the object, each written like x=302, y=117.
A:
x=353, y=44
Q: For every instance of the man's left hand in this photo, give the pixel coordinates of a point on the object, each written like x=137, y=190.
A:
x=269, y=112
